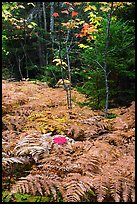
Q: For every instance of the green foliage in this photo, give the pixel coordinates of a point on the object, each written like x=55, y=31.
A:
x=5, y=197
x=6, y=73
x=120, y=63
x=111, y=115
x=93, y=86
x=17, y=197
x=50, y=74
x=82, y=104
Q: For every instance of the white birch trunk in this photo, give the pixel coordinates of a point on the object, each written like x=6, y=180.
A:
x=105, y=59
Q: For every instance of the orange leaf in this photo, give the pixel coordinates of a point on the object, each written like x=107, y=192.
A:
x=74, y=13
x=77, y=3
x=90, y=30
x=55, y=14
x=66, y=24
x=68, y=3
x=85, y=26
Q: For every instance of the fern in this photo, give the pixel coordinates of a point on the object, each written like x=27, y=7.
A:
x=100, y=169
x=73, y=188
x=7, y=162
x=38, y=185
x=76, y=187
x=72, y=158
x=33, y=145
x=113, y=183
x=89, y=164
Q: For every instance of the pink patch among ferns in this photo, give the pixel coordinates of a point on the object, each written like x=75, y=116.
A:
x=60, y=140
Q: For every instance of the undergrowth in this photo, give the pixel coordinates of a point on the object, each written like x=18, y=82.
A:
x=95, y=164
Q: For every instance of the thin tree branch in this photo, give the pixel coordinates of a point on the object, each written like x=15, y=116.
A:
x=99, y=64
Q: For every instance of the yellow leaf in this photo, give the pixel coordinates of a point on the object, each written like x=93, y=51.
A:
x=59, y=62
x=99, y=18
x=93, y=8
x=80, y=22
x=56, y=60
x=89, y=8
x=103, y=8
x=30, y=26
x=77, y=3
x=31, y=4
x=51, y=129
x=66, y=82
x=91, y=15
x=21, y=6
x=18, y=27
x=83, y=46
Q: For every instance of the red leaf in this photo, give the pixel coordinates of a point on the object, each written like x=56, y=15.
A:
x=55, y=14
x=60, y=140
x=65, y=11
x=74, y=13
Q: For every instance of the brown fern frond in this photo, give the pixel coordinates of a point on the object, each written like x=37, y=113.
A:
x=101, y=187
x=60, y=164
x=133, y=195
x=88, y=163
x=81, y=147
x=115, y=190
x=33, y=145
x=123, y=178
x=8, y=161
x=128, y=190
x=8, y=143
x=37, y=185
x=76, y=187
x=122, y=189
x=69, y=159
x=116, y=181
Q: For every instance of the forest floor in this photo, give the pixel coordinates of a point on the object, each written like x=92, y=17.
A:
x=30, y=109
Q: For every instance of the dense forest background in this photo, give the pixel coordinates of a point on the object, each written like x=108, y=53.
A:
x=90, y=43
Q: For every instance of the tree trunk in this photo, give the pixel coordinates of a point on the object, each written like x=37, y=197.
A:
x=52, y=20
x=40, y=46
x=69, y=72
x=52, y=25
x=60, y=57
x=20, y=67
x=23, y=46
x=105, y=59
x=45, y=27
